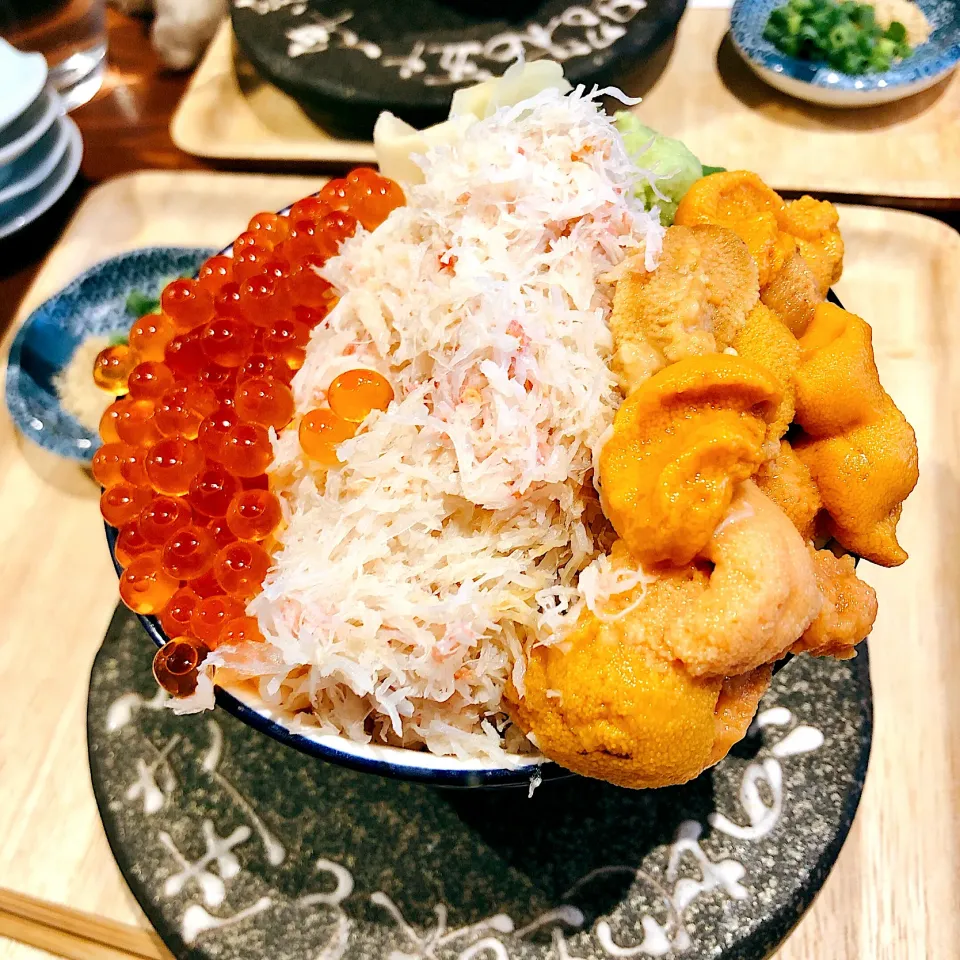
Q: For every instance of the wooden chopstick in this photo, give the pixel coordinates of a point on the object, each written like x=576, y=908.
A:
x=73, y=933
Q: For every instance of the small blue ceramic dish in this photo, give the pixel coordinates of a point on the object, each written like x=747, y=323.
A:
x=819, y=83
x=92, y=305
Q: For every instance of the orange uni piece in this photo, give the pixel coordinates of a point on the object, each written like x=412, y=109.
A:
x=859, y=448
x=681, y=442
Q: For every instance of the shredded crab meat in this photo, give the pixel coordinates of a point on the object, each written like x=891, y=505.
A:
x=408, y=582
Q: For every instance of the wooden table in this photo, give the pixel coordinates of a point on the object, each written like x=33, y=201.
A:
x=894, y=892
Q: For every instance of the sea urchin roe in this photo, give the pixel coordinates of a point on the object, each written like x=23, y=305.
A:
x=144, y=586
x=240, y=567
x=176, y=665
x=354, y=394
x=175, y=616
x=253, y=514
x=321, y=431
x=162, y=517
x=211, y=614
x=112, y=368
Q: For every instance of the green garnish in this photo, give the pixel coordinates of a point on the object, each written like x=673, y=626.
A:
x=117, y=340
x=845, y=35
x=708, y=170
x=139, y=304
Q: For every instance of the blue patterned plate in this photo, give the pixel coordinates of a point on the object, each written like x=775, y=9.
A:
x=820, y=83
x=92, y=305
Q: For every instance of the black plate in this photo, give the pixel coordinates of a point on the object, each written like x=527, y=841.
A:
x=324, y=863
x=345, y=62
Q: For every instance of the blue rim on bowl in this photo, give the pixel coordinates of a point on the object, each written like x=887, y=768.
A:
x=820, y=83
x=94, y=304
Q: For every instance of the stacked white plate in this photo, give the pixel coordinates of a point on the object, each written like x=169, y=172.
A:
x=40, y=147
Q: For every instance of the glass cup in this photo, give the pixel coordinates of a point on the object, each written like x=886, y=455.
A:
x=71, y=34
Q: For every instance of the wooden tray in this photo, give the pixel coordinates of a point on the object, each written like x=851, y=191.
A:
x=893, y=893
x=696, y=88
x=229, y=111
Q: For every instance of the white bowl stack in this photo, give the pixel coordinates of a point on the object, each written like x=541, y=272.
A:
x=40, y=147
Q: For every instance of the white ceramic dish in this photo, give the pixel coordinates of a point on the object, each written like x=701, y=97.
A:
x=33, y=168
x=30, y=126
x=17, y=213
x=22, y=76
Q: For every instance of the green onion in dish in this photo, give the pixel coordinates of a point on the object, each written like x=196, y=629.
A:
x=844, y=35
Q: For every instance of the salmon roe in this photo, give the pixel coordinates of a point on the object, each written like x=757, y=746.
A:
x=253, y=514
x=321, y=431
x=176, y=665
x=355, y=393
x=112, y=368
x=200, y=385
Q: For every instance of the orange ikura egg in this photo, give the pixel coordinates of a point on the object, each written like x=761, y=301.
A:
x=310, y=317
x=262, y=299
x=262, y=365
x=240, y=567
x=150, y=380
x=184, y=355
x=162, y=517
x=353, y=394
x=176, y=665
x=174, y=417
x=122, y=503
x=264, y=401
x=249, y=262
x=132, y=468
x=321, y=431
x=372, y=196
x=305, y=238
x=271, y=225
x=214, y=429
x=254, y=514
x=240, y=630
x=112, y=368
x=212, y=489
x=175, y=616
x=336, y=193
x=287, y=340
x=226, y=341
x=277, y=267
x=172, y=463
x=334, y=228
x=227, y=302
x=130, y=544
x=210, y=616
x=186, y=303
x=305, y=284
x=313, y=207
x=135, y=423
x=188, y=553
x=109, y=420
x=221, y=533
x=144, y=587
x=150, y=335
x=215, y=273
x=107, y=462
x=261, y=482
x=206, y=586
x=246, y=450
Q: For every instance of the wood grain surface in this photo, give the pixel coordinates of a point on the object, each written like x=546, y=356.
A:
x=894, y=893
